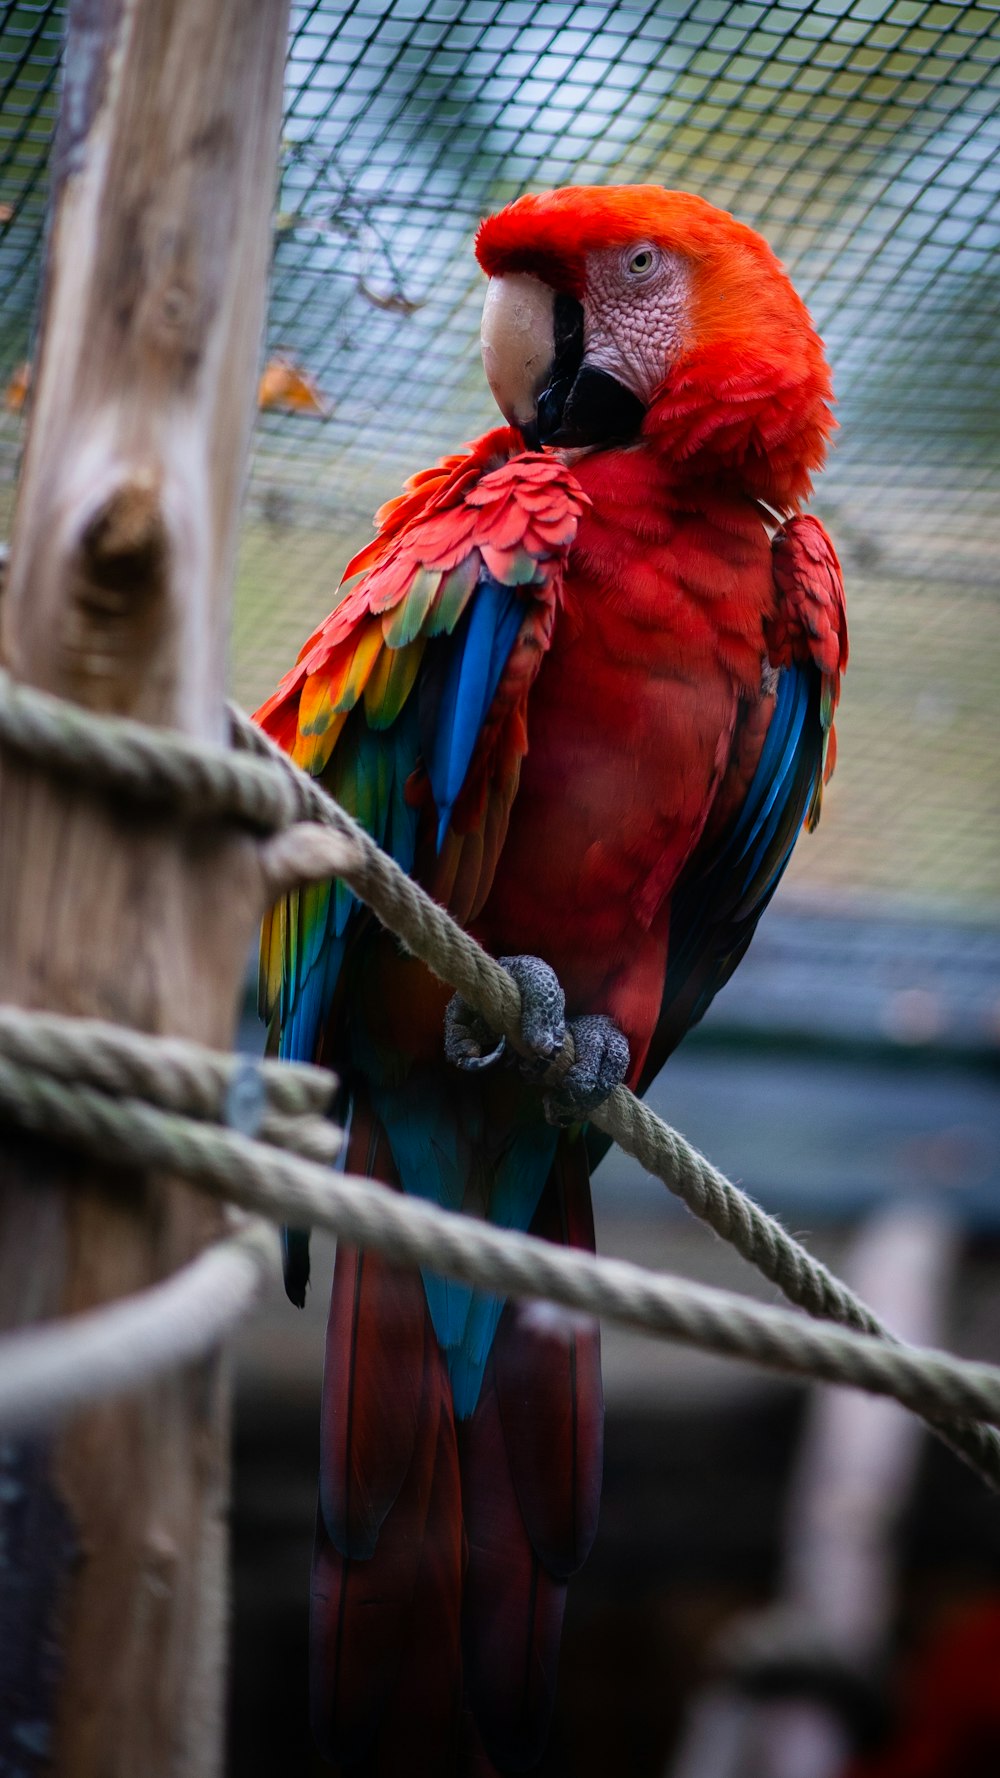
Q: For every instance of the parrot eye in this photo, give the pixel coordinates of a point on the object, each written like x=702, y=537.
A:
x=641, y=262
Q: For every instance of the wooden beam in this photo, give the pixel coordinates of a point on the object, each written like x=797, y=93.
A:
x=112, y=1601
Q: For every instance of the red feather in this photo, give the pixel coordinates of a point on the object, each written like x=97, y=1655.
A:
x=512, y=1607
x=366, y=1616
x=549, y=1391
x=422, y=1732
x=372, y=1394
x=373, y=1382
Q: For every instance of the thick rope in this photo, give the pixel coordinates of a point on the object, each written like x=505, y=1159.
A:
x=284, y=1103
x=157, y=768
x=261, y=787
x=73, y=1363
x=411, y=1232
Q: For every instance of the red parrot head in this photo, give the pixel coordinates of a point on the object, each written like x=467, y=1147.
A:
x=620, y=313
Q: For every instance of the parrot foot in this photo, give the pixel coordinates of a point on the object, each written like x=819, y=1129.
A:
x=602, y=1053
x=469, y=1042
x=602, y=1062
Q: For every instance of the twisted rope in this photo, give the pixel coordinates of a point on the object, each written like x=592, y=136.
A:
x=157, y=768
x=255, y=783
x=408, y=1231
x=48, y=1371
x=284, y=1103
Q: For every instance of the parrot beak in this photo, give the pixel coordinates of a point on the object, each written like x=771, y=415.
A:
x=533, y=353
x=518, y=344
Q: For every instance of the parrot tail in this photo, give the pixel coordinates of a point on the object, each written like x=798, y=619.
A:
x=443, y=1548
x=531, y=1460
x=385, y=1678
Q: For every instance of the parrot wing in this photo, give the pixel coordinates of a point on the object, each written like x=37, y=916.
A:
x=409, y=701
x=783, y=753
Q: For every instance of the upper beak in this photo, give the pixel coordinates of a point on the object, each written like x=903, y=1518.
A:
x=518, y=343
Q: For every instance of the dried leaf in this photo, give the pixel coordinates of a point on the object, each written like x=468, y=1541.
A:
x=16, y=393
x=286, y=387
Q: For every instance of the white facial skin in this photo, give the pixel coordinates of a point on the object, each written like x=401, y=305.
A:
x=635, y=314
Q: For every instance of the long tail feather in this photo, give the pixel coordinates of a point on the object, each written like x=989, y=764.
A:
x=532, y=1457
x=442, y=1554
x=387, y=1571
x=374, y=1375
x=422, y=1730
x=373, y=1393
x=367, y=1613
x=512, y=1608
x=548, y=1383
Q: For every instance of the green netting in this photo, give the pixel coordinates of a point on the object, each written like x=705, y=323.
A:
x=860, y=135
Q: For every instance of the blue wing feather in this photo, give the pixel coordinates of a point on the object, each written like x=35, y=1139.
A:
x=367, y=773
x=482, y=642
x=429, y=709
x=715, y=911
x=791, y=711
x=517, y=1187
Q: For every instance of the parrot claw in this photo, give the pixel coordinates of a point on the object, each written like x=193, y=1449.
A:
x=602, y=1052
x=471, y=1045
x=602, y=1062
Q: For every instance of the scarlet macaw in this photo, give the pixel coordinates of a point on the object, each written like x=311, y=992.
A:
x=582, y=687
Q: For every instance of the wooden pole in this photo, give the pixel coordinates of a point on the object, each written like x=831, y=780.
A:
x=112, y=1529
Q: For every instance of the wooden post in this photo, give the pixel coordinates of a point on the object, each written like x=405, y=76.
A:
x=112, y=1591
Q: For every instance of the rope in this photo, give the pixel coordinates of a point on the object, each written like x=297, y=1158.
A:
x=260, y=785
x=411, y=1232
x=158, y=768
x=48, y=1371
x=255, y=783
x=284, y=1103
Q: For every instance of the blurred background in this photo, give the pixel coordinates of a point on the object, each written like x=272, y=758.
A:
x=785, y=1582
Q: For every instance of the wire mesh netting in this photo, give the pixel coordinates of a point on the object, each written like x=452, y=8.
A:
x=859, y=135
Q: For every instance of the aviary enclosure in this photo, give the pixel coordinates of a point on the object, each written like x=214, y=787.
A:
x=786, y=1580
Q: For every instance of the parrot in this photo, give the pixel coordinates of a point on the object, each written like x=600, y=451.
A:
x=581, y=686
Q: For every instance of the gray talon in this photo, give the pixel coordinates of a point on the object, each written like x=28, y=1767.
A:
x=602, y=1062
x=475, y=1060
x=468, y=1041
